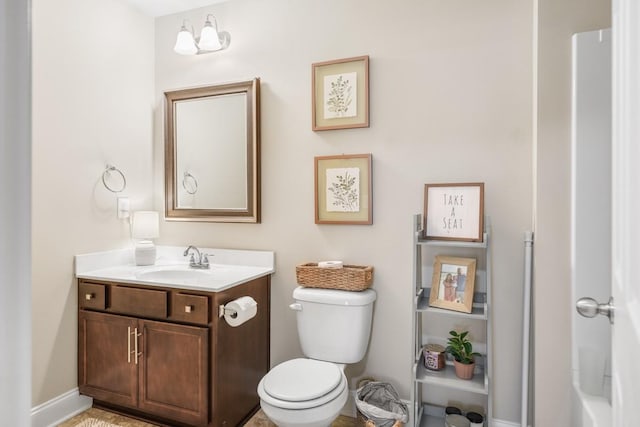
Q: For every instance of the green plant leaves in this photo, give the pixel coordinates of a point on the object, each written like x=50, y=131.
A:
x=460, y=347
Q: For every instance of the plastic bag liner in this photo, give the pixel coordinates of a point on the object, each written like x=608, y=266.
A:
x=379, y=402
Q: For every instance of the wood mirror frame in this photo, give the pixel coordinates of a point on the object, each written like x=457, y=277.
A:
x=248, y=212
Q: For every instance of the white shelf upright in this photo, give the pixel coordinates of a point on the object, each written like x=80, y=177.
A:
x=434, y=386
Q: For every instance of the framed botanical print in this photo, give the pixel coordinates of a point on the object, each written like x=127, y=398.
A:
x=343, y=192
x=340, y=94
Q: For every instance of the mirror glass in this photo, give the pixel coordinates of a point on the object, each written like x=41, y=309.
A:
x=211, y=158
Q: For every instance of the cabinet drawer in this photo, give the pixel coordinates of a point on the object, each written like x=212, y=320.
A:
x=139, y=302
x=190, y=308
x=91, y=295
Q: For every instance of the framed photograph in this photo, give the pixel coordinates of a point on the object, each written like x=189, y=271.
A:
x=340, y=93
x=343, y=189
x=454, y=211
x=453, y=283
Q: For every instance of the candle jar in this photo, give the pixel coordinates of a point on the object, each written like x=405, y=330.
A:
x=455, y=420
x=475, y=419
x=433, y=357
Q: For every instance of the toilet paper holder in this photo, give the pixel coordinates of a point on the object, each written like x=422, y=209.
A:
x=222, y=310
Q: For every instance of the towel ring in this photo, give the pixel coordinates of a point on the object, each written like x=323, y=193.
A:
x=107, y=172
x=187, y=175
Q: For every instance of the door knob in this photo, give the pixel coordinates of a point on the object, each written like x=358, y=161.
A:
x=588, y=307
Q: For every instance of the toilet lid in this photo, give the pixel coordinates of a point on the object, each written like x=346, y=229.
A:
x=302, y=379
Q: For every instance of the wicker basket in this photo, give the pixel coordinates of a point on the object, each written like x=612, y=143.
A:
x=361, y=419
x=347, y=278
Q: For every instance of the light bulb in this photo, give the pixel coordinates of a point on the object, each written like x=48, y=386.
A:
x=209, y=39
x=185, y=44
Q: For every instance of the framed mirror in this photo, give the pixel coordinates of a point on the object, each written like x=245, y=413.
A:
x=212, y=153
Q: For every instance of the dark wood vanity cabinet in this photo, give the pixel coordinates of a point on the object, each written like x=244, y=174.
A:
x=105, y=372
x=164, y=354
x=153, y=366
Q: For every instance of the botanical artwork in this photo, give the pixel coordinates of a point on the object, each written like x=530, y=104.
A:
x=340, y=95
x=453, y=279
x=343, y=190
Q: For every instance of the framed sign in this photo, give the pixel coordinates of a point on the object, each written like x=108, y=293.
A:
x=454, y=211
x=340, y=93
x=453, y=283
x=343, y=189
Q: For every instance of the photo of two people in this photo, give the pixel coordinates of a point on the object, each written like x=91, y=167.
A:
x=453, y=283
x=453, y=279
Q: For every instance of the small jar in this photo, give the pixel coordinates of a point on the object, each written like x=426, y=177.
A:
x=452, y=410
x=475, y=419
x=433, y=357
x=456, y=420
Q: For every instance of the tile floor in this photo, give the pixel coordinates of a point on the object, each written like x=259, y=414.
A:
x=258, y=420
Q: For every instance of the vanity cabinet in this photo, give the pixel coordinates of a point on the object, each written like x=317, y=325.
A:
x=106, y=371
x=163, y=354
x=154, y=366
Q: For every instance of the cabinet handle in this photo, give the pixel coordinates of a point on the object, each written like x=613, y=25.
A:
x=128, y=344
x=135, y=344
x=188, y=308
x=89, y=296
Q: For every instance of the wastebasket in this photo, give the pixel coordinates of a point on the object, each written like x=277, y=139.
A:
x=379, y=405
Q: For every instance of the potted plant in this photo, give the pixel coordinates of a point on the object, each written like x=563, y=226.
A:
x=463, y=355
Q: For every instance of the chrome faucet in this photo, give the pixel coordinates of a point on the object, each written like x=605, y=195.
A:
x=203, y=259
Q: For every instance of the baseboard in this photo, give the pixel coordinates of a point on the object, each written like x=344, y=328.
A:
x=59, y=409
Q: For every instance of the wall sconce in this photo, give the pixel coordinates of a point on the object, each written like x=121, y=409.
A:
x=144, y=228
x=210, y=40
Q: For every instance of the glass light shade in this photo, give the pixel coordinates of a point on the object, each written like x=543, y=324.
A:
x=209, y=39
x=185, y=44
x=145, y=225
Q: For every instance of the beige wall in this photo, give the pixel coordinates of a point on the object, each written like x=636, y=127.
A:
x=558, y=21
x=92, y=95
x=450, y=102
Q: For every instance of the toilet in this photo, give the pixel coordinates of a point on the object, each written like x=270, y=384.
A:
x=333, y=328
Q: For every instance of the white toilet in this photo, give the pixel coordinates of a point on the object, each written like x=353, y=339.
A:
x=334, y=328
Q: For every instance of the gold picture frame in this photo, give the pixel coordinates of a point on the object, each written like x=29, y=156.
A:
x=343, y=192
x=340, y=93
x=453, y=283
x=454, y=212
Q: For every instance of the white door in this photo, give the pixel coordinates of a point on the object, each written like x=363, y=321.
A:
x=626, y=213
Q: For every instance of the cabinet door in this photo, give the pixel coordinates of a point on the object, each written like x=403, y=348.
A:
x=174, y=374
x=106, y=369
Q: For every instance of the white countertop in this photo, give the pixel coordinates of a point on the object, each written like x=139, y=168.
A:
x=228, y=268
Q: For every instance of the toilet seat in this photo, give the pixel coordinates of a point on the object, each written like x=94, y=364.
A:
x=302, y=384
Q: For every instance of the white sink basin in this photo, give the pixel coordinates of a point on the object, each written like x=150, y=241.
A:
x=215, y=277
x=171, y=274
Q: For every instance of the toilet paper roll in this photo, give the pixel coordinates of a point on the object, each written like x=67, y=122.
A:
x=240, y=310
x=330, y=264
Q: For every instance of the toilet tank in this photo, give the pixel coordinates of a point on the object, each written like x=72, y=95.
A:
x=334, y=325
